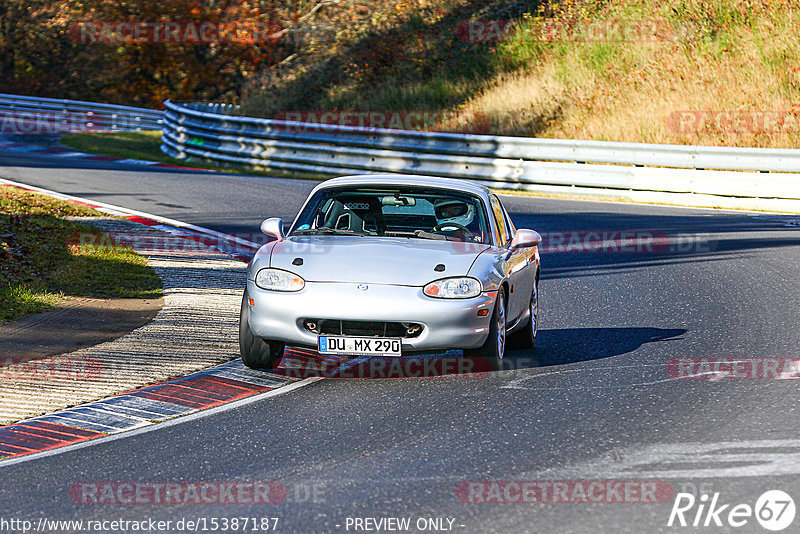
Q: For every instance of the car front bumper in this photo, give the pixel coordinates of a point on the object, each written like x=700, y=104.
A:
x=447, y=323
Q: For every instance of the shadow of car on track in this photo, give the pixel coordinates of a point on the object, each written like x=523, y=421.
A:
x=559, y=346
x=554, y=347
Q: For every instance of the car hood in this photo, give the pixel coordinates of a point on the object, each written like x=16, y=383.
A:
x=373, y=260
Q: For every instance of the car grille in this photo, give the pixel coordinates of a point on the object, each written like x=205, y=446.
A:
x=363, y=328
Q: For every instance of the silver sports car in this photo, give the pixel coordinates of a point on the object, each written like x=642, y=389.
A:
x=392, y=265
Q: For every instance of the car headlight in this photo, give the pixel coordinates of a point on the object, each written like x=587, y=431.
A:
x=279, y=280
x=453, y=288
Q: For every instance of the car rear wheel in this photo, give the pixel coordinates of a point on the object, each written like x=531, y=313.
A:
x=494, y=347
x=256, y=353
x=526, y=337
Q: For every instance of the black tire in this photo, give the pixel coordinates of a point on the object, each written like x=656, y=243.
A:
x=256, y=353
x=525, y=338
x=494, y=347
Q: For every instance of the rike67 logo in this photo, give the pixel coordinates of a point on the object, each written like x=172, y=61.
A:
x=774, y=510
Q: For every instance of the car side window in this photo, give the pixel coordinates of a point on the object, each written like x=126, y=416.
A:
x=500, y=226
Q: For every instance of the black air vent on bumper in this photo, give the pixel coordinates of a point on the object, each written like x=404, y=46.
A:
x=335, y=327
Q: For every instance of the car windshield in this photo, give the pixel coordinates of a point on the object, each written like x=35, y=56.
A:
x=411, y=212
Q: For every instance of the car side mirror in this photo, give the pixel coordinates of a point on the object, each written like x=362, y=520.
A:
x=525, y=238
x=273, y=227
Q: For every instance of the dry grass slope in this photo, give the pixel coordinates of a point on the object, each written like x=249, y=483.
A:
x=716, y=73
x=713, y=72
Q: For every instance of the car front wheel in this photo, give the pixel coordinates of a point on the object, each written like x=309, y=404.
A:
x=494, y=347
x=256, y=353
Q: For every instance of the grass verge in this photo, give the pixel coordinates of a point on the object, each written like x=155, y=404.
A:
x=43, y=258
x=123, y=145
x=147, y=146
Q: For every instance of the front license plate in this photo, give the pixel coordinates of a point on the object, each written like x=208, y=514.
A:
x=360, y=346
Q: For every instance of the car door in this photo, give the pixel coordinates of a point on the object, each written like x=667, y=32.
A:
x=516, y=264
x=527, y=274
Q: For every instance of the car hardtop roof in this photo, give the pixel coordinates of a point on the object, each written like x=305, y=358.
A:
x=408, y=180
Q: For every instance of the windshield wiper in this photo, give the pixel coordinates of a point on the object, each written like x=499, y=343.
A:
x=419, y=234
x=327, y=230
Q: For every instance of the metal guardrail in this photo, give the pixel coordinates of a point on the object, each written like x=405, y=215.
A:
x=214, y=132
x=39, y=115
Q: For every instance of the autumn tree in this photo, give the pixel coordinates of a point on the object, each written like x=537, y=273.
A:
x=46, y=49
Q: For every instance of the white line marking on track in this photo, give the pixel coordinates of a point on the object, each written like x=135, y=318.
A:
x=27, y=148
x=692, y=460
x=520, y=383
x=137, y=162
x=69, y=154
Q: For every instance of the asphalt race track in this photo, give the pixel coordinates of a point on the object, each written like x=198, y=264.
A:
x=597, y=400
